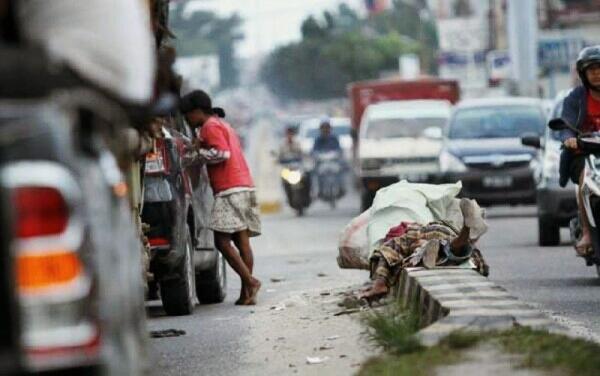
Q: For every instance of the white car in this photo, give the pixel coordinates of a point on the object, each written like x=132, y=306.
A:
x=309, y=130
x=400, y=140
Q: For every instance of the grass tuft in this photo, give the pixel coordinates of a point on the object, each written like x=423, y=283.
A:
x=541, y=349
x=393, y=329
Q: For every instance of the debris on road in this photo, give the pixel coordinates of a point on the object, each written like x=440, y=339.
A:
x=277, y=279
x=333, y=338
x=279, y=307
x=321, y=275
x=167, y=333
x=325, y=347
x=348, y=311
x=316, y=360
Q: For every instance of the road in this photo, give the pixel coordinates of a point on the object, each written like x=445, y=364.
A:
x=295, y=259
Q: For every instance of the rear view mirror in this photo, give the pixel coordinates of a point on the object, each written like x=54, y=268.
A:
x=532, y=140
x=559, y=124
x=433, y=133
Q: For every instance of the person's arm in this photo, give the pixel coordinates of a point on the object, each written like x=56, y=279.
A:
x=570, y=113
x=215, y=147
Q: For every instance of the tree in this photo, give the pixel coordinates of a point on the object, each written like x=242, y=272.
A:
x=342, y=48
x=202, y=33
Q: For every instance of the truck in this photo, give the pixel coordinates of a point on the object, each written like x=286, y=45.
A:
x=384, y=160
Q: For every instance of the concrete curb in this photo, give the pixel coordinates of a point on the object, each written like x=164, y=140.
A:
x=452, y=299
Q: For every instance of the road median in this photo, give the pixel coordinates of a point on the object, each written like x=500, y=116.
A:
x=453, y=299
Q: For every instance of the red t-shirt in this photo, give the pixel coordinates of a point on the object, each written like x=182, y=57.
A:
x=592, y=121
x=234, y=172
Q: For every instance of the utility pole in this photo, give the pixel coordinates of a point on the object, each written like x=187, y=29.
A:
x=523, y=45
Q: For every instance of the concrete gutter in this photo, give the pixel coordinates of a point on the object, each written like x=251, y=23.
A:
x=453, y=299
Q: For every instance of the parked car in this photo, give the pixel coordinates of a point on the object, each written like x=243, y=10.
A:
x=400, y=140
x=71, y=279
x=185, y=265
x=309, y=130
x=482, y=148
x=556, y=205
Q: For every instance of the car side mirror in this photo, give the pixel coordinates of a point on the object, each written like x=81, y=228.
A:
x=531, y=140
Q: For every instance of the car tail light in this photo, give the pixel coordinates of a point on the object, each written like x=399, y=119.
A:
x=157, y=242
x=40, y=211
x=53, y=283
x=37, y=272
x=157, y=161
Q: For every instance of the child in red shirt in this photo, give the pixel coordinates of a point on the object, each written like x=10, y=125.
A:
x=234, y=218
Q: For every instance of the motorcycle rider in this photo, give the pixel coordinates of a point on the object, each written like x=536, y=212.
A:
x=328, y=142
x=581, y=108
x=290, y=148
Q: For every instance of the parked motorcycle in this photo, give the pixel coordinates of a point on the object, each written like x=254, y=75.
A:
x=329, y=169
x=296, y=183
x=589, y=144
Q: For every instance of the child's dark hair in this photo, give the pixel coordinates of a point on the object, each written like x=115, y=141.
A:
x=200, y=100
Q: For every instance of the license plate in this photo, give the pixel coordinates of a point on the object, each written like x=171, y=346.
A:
x=497, y=181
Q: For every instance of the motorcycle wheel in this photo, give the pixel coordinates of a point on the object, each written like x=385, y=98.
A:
x=598, y=270
x=300, y=212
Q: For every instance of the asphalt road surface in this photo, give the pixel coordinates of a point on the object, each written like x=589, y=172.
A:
x=301, y=253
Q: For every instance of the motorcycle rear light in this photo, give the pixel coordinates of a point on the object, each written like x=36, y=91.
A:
x=40, y=211
x=40, y=271
x=159, y=242
x=157, y=161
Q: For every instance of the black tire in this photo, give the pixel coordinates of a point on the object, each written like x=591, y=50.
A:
x=211, y=284
x=300, y=212
x=366, y=200
x=178, y=294
x=548, y=232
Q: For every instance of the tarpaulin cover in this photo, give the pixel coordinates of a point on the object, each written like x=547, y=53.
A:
x=410, y=202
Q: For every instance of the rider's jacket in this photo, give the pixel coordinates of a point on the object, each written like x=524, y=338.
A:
x=574, y=112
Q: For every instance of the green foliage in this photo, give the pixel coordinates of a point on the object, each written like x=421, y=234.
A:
x=393, y=330
x=341, y=48
x=203, y=33
x=551, y=351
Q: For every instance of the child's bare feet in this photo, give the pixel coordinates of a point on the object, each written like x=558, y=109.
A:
x=252, y=292
x=376, y=292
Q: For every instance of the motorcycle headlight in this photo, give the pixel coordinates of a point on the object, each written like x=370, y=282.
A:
x=294, y=177
x=291, y=176
x=451, y=163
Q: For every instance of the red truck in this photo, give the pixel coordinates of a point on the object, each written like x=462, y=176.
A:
x=383, y=160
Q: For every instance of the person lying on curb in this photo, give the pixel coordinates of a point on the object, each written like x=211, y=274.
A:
x=234, y=217
x=430, y=245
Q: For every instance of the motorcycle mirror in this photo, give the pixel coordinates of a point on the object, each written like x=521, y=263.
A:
x=532, y=140
x=560, y=124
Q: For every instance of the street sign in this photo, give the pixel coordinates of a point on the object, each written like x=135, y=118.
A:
x=559, y=52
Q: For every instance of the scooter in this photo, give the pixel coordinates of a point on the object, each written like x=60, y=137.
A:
x=589, y=144
x=329, y=170
x=296, y=184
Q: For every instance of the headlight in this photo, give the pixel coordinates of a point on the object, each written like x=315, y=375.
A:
x=451, y=163
x=371, y=164
x=291, y=176
x=551, y=165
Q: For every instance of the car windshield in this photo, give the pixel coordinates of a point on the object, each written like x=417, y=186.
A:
x=402, y=127
x=497, y=122
x=336, y=130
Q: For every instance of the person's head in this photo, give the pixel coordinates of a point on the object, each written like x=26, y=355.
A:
x=197, y=108
x=325, y=128
x=290, y=133
x=588, y=67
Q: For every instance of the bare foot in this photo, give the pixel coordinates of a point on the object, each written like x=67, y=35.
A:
x=473, y=217
x=243, y=295
x=376, y=292
x=584, y=245
x=252, y=293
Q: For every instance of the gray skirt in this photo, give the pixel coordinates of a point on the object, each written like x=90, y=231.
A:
x=236, y=212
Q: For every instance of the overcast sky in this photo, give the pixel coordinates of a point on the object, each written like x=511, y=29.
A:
x=269, y=23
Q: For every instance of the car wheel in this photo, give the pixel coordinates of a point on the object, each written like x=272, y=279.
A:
x=178, y=294
x=366, y=200
x=548, y=232
x=211, y=284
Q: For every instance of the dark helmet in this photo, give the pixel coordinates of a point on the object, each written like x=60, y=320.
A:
x=587, y=57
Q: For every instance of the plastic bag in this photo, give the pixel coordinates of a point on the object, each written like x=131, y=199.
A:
x=353, y=244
